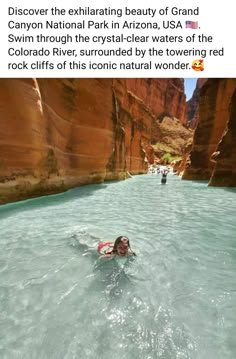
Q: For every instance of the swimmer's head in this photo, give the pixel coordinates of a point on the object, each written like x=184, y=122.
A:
x=121, y=246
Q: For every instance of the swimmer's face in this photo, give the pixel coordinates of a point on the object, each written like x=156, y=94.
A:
x=122, y=248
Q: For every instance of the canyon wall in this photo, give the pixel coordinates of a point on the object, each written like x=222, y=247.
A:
x=224, y=173
x=216, y=112
x=164, y=97
x=192, y=114
x=56, y=134
x=49, y=142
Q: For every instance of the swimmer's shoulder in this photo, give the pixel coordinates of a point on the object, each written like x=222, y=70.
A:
x=106, y=256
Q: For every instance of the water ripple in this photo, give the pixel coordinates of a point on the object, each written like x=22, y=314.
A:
x=176, y=299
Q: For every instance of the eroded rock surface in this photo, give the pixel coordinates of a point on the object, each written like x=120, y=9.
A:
x=224, y=173
x=216, y=116
x=193, y=105
x=60, y=133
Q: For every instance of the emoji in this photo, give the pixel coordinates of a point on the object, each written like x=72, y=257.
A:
x=198, y=65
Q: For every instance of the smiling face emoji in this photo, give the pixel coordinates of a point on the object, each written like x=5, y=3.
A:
x=198, y=65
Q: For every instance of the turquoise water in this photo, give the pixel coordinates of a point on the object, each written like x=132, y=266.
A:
x=176, y=299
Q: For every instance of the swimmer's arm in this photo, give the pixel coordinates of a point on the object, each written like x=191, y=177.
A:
x=107, y=256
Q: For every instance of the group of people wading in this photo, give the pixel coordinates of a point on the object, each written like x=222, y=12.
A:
x=164, y=171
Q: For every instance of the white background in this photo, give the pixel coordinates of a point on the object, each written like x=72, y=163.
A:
x=215, y=19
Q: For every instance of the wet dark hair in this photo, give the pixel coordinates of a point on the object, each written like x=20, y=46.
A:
x=119, y=240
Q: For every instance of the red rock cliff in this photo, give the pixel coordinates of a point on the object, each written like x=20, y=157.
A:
x=214, y=114
x=224, y=173
x=193, y=105
x=60, y=133
x=161, y=96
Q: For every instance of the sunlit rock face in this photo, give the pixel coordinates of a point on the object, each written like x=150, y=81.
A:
x=46, y=135
x=79, y=126
x=180, y=165
x=170, y=136
x=55, y=135
x=214, y=113
x=60, y=133
x=193, y=105
x=161, y=96
x=23, y=156
x=132, y=126
x=162, y=103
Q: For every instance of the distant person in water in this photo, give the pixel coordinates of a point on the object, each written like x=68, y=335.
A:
x=164, y=176
x=121, y=247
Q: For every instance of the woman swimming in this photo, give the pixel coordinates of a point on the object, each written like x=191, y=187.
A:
x=121, y=247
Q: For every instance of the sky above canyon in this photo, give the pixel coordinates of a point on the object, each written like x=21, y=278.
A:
x=189, y=87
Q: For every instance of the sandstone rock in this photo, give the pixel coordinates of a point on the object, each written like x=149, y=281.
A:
x=214, y=113
x=180, y=165
x=170, y=136
x=193, y=105
x=224, y=173
x=60, y=133
x=161, y=96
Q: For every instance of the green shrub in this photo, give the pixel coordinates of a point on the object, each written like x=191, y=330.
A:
x=167, y=158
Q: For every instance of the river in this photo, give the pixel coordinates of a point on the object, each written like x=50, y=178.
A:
x=175, y=299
